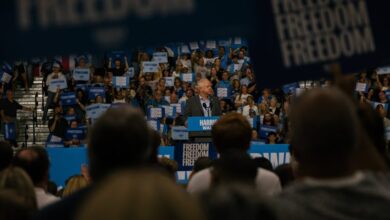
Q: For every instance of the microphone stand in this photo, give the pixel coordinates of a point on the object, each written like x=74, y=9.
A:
x=35, y=117
x=25, y=137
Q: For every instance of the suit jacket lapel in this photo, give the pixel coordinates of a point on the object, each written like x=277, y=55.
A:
x=199, y=104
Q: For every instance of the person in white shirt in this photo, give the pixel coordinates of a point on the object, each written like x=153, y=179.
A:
x=250, y=110
x=52, y=91
x=233, y=132
x=35, y=161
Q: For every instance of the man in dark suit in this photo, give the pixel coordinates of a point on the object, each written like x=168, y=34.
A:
x=204, y=103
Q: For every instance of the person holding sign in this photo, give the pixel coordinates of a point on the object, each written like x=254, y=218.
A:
x=53, y=88
x=157, y=101
x=82, y=73
x=224, y=87
x=119, y=69
x=203, y=104
x=9, y=109
x=250, y=110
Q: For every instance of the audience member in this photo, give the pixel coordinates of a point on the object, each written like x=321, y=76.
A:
x=324, y=137
x=35, y=161
x=232, y=131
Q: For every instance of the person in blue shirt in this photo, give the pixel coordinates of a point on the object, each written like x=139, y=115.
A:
x=157, y=100
x=224, y=83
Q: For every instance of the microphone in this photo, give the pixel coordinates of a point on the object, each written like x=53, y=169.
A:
x=207, y=108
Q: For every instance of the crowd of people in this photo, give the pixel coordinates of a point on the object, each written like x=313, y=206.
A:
x=328, y=140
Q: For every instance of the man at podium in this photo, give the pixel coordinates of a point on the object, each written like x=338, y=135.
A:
x=204, y=103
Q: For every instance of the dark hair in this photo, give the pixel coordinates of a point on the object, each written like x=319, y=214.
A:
x=324, y=131
x=155, y=141
x=6, y=154
x=263, y=163
x=202, y=163
x=35, y=161
x=234, y=167
x=52, y=188
x=119, y=139
x=285, y=174
x=231, y=131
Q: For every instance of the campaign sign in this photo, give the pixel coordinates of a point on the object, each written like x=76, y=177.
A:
x=54, y=141
x=222, y=92
x=383, y=70
x=290, y=88
x=187, y=77
x=194, y=45
x=211, y=44
x=96, y=91
x=169, y=81
x=95, y=110
x=278, y=154
x=81, y=74
x=160, y=57
x=83, y=87
x=155, y=113
x=169, y=111
x=10, y=131
x=68, y=98
x=361, y=87
x=201, y=123
x=75, y=133
x=155, y=124
x=66, y=162
x=187, y=153
x=299, y=40
x=6, y=77
x=179, y=133
x=177, y=107
x=120, y=82
x=131, y=72
x=117, y=55
x=166, y=151
x=150, y=67
x=265, y=130
x=58, y=84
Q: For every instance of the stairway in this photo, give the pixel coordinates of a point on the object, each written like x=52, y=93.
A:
x=26, y=118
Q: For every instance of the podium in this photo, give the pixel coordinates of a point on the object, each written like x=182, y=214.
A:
x=199, y=128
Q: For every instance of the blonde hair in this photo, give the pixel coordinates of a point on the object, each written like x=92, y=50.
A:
x=140, y=195
x=18, y=181
x=74, y=184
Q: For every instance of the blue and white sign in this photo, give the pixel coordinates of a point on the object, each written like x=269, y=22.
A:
x=177, y=107
x=94, y=111
x=383, y=70
x=169, y=81
x=222, y=92
x=54, y=141
x=84, y=87
x=155, y=124
x=131, y=72
x=169, y=111
x=96, y=91
x=361, y=87
x=179, y=133
x=290, y=88
x=10, y=131
x=201, y=123
x=6, y=77
x=81, y=74
x=155, y=113
x=187, y=153
x=68, y=98
x=265, y=130
x=278, y=154
x=160, y=57
x=194, y=45
x=58, y=84
x=211, y=44
x=150, y=67
x=75, y=133
x=120, y=82
x=187, y=77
